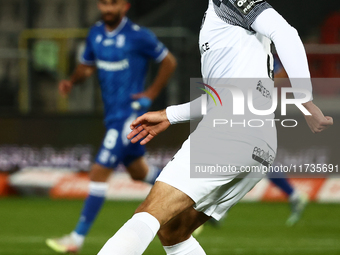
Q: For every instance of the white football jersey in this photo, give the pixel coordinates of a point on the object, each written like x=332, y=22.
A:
x=234, y=54
x=229, y=47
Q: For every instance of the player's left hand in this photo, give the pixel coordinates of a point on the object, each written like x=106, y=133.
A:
x=317, y=122
x=142, y=101
x=148, y=126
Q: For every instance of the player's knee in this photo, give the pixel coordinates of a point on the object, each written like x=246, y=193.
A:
x=99, y=173
x=164, y=236
x=137, y=177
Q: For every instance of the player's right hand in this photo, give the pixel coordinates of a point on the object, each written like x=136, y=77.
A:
x=147, y=126
x=317, y=122
x=65, y=87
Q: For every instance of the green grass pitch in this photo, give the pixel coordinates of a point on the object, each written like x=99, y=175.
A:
x=249, y=229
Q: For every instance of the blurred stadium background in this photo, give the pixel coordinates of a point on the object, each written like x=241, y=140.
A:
x=47, y=142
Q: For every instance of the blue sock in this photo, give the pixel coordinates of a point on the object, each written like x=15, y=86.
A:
x=152, y=174
x=92, y=206
x=283, y=184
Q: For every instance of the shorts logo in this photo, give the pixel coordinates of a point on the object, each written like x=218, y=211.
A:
x=245, y=6
x=263, y=157
x=104, y=156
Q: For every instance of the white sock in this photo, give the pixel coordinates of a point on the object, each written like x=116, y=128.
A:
x=294, y=196
x=79, y=239
x=98, y=188
x=134, y=237
x=151, y=175
x=188, y=247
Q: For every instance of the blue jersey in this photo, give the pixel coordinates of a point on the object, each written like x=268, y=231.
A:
x=121, y=57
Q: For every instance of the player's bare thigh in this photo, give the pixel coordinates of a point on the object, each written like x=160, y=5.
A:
x=181, y=227
x=99, y=173
x=138, y=169
x=164, y=202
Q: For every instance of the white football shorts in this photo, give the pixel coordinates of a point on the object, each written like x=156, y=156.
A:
x=215, y=196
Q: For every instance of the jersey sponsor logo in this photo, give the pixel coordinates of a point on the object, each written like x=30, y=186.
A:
x=245, y=6
x=262, y=89
x=204, y=47
x=263, y=157
x=108, y=42
x=113, y=66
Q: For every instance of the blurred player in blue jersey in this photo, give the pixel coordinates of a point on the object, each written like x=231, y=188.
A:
x=120, y=52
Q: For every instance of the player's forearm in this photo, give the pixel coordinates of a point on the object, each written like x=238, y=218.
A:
x=166, y=69
x=81, y=73
x=184, y=112
x=289, y=47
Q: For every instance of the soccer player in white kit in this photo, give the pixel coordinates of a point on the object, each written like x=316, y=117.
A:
x=235, y=43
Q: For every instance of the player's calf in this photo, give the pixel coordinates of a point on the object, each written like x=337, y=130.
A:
x=162, y=204
x=181, y=227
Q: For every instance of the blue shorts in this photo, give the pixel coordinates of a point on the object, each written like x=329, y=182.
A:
x=116, y=148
